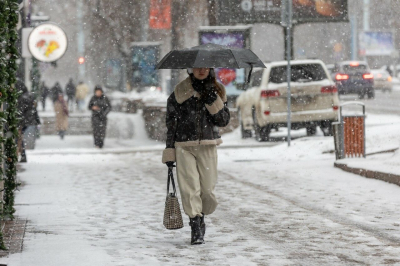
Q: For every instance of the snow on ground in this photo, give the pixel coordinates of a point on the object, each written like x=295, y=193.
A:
x=279, y=205
x=126, y=133
x=150, y=95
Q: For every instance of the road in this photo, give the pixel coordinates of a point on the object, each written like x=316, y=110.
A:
x=384, y=103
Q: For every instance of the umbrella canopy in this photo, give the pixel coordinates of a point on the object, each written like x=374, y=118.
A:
x=210, y=56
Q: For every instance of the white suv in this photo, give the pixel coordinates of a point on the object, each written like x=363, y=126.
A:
x=314, y=99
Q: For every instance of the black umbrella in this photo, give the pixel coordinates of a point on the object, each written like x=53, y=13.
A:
x=210, y=56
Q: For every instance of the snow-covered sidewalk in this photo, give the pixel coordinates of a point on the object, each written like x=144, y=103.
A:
x=276, y=208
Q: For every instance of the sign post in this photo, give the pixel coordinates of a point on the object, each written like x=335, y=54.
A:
x=287, y=22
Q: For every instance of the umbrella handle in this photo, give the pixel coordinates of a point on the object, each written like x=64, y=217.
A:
x=251, y=70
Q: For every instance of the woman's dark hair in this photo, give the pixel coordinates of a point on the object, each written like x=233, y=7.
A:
x=217, y=85
x=98, y=88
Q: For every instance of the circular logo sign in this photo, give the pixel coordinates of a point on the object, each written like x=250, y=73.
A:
x=47, y=42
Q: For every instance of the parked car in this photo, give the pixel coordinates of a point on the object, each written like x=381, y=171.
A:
x=354, y=77
x=390, y=70
x=314, y=99
x=382, y=80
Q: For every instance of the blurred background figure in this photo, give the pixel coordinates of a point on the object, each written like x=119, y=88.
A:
x=55, y=91
x=61, y=110
x=29, y=118
x=100, y=106
x=70, y=90
x=82, y=91
x=44, y=92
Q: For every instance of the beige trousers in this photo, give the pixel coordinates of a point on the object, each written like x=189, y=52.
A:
x=196, y=168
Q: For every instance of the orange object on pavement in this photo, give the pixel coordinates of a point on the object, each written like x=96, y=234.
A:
x=354, y=136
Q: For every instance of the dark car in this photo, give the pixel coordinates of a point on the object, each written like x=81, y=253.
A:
x=354, y=77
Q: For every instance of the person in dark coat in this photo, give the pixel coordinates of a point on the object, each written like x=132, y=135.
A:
x=44, y=92
x=195, y=111
x=29, y=115
x=70, y=90
x=56, y=91
x=100, y=106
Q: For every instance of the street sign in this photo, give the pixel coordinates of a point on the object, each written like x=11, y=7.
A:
x=233, y=12
x=145, y=56
x=47, y=42
x=376, y=43
x=239, y=37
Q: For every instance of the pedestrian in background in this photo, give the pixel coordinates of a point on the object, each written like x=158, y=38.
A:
x=82, y=91
x=29, y=116
x=195, y=110
x=61, y=110
x=55, y=91
x=100, y=106
x=70, y=90
x=44, y=92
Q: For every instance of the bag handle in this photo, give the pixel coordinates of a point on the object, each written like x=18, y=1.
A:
x=171, y=177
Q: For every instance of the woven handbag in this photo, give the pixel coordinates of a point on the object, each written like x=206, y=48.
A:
x=172, y=213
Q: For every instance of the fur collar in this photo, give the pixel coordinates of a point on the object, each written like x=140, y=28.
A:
x=184, y=90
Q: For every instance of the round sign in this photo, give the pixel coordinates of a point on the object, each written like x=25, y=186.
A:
x=247, y=5
x=47, y=42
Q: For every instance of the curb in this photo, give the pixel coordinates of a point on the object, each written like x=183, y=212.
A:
x=390, y=178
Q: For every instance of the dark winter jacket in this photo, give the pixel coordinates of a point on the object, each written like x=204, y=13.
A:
x=44, y=91
x=70, y=89
x=105, y=107
x=190, y=122
x=27, y=108
x=55, y=91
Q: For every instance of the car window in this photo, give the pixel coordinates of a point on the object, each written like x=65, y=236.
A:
x=350, y=68
x=256, y=78
x=300, y=73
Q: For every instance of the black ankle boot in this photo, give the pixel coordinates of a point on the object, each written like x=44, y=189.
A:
x=203, y=225
x=197, y=234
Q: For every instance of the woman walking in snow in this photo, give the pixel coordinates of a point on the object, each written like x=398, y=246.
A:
x=195, y=110
x=100, y=106
x=61, y=109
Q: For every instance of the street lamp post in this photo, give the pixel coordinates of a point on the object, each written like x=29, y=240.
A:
x=81, y=40
x=288, y=24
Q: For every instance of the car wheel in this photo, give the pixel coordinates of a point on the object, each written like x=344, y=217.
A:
x=311, y=130
x=255, y=124
x=361, y=95
x=371, y=93
x=261, y=133
x=327, y=129
x=264, y=133
x=245, y=133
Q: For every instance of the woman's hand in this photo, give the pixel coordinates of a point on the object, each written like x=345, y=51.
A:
x=95, y=108
x=209, y=97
